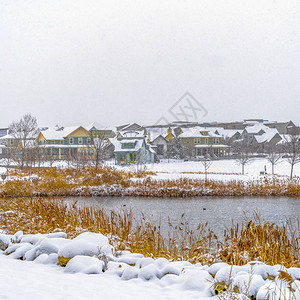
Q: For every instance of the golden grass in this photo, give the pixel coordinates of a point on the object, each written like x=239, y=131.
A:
x=263, y=241
x=112, y=182
x=251, y=240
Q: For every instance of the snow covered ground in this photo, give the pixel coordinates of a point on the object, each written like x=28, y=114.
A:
x=94, y=271
x=220, y=169
x=30, y=280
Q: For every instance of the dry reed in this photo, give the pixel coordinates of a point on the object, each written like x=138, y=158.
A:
x=112, y=182
x=251, y=240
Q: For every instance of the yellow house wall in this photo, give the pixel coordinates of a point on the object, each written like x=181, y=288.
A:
x=169, y=137
x=80, y=132
x=40, y=137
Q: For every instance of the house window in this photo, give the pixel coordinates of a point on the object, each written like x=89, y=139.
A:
x=88, y=140
x=206, y=141
x=197, y=141
x=71, y=141
x=160, y=149
x=127, y=145
x=80, y=141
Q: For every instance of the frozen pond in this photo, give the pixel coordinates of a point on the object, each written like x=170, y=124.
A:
x=218, y=212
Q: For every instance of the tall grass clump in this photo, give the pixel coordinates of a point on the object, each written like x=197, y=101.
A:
x=111, y=182
x=263, y=241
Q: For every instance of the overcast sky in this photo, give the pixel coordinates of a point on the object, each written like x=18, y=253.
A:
x=74, y=62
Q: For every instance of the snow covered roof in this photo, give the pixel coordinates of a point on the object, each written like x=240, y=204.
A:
x=266, y=137
x=257, y=128
x=154, y=133
x=54, y=134
x=138, y=143
x=132, y=133
x=132, y=126
x=98, y=126
x=95, y=126
x=227, y=133
x=198, y=132
x=8, y=136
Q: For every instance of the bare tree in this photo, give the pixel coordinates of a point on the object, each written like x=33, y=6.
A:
x=24, y=131
x=98, y=149
x=274, y=155
x=140, y=161
x=9, y=158
x=206, y=162
x=79, y=159
x=292, y=149
x=244, y=153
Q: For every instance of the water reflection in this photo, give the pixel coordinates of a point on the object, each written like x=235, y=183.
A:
x=217, y=212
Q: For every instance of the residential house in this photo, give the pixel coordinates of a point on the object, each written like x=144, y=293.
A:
x=97, y=130
x=130, y=127
x=201, y=141
x=134, y=149
x=65, y=142
x=157, y=138
x=260, y=136
x=3, y=131
x=228, y=135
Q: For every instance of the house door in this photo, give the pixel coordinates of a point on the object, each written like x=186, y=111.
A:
x=132, y=157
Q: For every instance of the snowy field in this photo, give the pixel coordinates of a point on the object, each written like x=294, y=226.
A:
x=219, y=170
x=30, y=270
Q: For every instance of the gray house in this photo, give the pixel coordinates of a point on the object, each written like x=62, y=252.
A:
x=260, y=136
x=161, y=146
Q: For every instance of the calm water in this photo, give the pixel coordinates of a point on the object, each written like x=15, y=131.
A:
x=218, y=212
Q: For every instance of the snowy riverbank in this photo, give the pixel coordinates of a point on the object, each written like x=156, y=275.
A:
x=93, y=269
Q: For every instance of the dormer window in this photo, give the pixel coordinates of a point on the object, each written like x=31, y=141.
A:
x=127, y=145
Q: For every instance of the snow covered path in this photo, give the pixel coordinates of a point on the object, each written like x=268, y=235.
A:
x=30, y=280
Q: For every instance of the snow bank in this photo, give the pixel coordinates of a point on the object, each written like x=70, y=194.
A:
x=91, y=253
x=85, y=264
x=87, y=244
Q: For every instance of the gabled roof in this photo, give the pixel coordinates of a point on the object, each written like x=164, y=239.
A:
x=94, y=126
x=155, y=132
x=8, y=136
x=227, y=133
x=138, y=143
x=256, y=128
x=197, y=132
x=60, y=134
x=132, y=126
x=266, y=137
x=158, y=136
x=132, y=133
